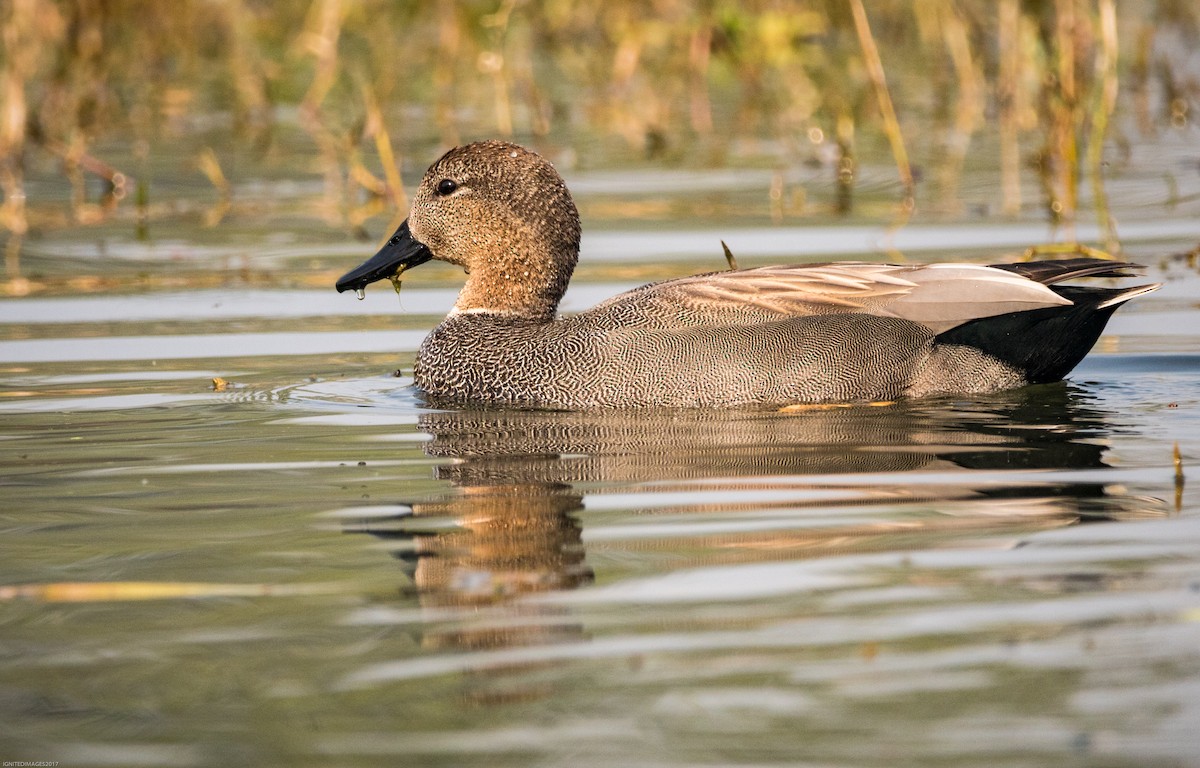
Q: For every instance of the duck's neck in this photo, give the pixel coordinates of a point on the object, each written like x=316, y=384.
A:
x=525, y=286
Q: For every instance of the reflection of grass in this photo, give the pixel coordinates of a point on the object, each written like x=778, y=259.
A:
x=826, y=81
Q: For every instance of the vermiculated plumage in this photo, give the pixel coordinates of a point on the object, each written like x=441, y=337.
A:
x=771, y=335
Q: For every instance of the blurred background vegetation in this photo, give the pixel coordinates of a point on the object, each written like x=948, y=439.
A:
x=121, y=115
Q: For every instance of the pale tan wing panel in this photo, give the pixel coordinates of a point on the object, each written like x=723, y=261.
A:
x=939, y=296
x=948, y=295
x=794, y=289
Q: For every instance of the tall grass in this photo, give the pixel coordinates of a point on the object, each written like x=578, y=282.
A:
x=675, y=80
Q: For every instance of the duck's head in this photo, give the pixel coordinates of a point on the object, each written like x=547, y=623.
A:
x=500, y=212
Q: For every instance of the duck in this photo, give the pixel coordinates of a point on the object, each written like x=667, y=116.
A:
x=792, y=334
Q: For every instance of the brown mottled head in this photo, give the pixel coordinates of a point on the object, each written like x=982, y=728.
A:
x=500, y=212
x=504, y=215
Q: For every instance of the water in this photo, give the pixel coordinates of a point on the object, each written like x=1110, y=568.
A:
x=234, y=535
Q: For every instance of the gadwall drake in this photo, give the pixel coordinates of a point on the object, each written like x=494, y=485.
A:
x=770, y=335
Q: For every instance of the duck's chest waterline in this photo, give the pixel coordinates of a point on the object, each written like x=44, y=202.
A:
x=485, y=358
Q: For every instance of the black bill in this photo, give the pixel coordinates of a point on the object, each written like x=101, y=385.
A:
x=399, y=253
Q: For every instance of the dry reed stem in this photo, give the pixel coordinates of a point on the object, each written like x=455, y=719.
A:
x=210, y=165
x=1177, y=459
x=449, y=43
x=495, y=63
x=1065, y=134
x=891, y=126
x=1007, y=94
x=968, y=115
x=246, y=66
x=376, y=128
x=699, y=56
x=16, y=33
x=1106, y=103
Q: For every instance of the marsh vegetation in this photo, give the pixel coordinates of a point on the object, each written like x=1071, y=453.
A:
x=130, y=112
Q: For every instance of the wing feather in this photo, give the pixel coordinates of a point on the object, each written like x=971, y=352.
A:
x=938, y=296
x=949, y=295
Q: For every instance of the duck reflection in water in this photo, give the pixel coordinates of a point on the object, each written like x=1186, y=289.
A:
x=488, y=545
x=931, y=473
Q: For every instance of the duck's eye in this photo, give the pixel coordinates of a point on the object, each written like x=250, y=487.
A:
x=446, y=186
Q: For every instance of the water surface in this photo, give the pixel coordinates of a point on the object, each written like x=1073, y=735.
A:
x=305, y=565
x=232, y=534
